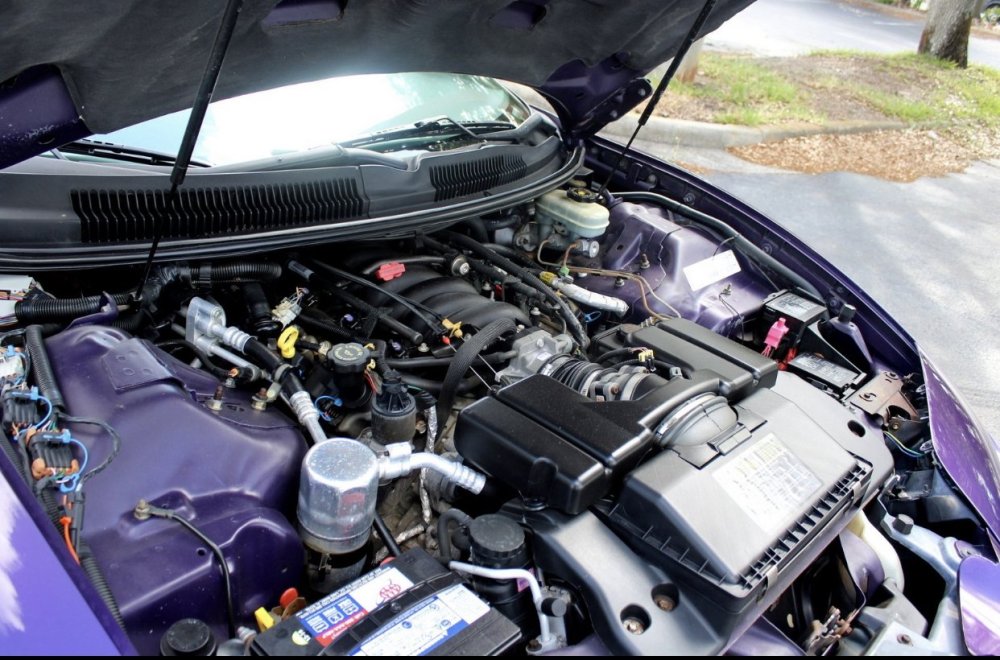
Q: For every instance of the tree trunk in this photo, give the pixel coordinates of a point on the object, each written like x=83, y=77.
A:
x=688, y=69
x=946, y=34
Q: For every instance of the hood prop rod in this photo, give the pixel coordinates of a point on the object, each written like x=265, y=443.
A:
x=654, y=100
x=183, y=160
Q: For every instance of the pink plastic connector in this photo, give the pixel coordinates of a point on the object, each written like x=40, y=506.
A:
x=774, y=336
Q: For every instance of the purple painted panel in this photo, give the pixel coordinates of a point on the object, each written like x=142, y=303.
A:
x=638, y=229
x=45, y=602
x=37, y=114
x=882, y=334
x=232, y=473
x=763, y=639
x=979, y=602
x=963, y=447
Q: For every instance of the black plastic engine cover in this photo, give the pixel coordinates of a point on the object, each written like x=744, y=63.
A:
x=558, y=448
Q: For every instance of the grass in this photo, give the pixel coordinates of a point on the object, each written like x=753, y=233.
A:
x=911, y=88
x=746, y=92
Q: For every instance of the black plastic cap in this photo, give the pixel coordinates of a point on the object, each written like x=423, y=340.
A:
x=497, y=542
x=188, y=637
x=349, y=358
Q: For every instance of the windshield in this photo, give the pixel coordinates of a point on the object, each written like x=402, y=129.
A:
x=299, y=117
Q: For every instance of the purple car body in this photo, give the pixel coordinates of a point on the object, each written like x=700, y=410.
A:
x=63, y=614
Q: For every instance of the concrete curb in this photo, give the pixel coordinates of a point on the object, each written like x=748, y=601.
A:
x=686, y=133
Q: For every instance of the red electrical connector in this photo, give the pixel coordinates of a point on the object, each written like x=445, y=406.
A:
x=774, y=336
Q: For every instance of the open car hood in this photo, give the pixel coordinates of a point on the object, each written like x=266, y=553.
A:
x=69, y=69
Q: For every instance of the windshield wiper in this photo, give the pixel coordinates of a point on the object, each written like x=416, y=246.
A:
x=121, y=152
x=444, y=127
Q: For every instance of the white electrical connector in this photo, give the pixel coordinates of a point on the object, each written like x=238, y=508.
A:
x=289, y=309
x=13, y=288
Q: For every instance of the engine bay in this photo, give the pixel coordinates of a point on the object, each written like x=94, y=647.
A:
x=591, y=423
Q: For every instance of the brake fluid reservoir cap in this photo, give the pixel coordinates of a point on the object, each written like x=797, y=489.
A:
x=582, y=195
x=351, y=357
x=497, y=542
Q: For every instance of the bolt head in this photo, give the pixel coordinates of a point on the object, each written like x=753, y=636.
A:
x=903, y=524
x=634, y=626
x=904, y=639
x=665, y=603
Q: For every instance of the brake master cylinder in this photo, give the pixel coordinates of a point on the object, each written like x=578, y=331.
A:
x=566, y=219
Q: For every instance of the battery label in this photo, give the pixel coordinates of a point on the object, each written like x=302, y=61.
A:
x=327, y=619
x=795, y=306
x=428, y=625
x=768, y=482
x=824, y=370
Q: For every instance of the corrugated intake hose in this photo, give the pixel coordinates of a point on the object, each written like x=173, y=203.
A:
x=62, y=309
x=464, y=358
x=250, y=271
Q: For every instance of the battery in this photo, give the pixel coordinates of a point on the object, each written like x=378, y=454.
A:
x=819, y=370
x=409, y=606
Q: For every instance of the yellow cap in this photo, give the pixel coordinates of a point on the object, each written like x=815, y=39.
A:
x=264, y=619
x=548, y=277
x=286, y=342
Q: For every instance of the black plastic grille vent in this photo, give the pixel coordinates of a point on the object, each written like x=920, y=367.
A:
x=111, y=216
x=460, y=179
x=842, y=494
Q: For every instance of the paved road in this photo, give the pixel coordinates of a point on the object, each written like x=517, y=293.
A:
x=794, y=27
x=926, y=251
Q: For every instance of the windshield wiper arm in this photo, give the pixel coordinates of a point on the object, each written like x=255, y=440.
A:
x=438, y=126
x=121, y=152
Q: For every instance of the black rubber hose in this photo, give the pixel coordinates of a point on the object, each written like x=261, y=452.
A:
x=250, y=271
x=130, y=323
x=386, y=535
x=430, y=362
x=465, y=356
x=391, y=323
x=38, y=310
x=319, y=322
x=432, y=324
x=41, y=368
x=477, y=228
x=93, y=571
x=618, y=352
x=434, y=386
x=169, y=514
x=740, y=242
x=573, y=323
x=259, y=311
x=408, y=261
x=461, y=519
x=265, y=357
x=219, y=372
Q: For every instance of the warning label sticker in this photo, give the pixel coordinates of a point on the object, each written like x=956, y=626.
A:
x=327, y=619
x=711, y=270
x=768, y=482
x=428, y=625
